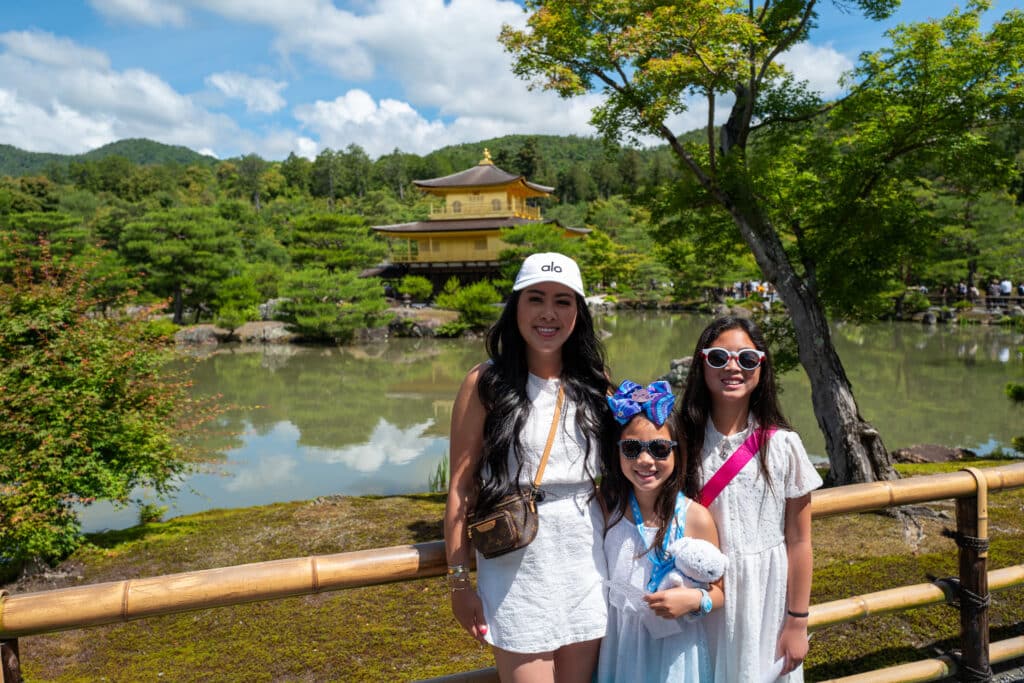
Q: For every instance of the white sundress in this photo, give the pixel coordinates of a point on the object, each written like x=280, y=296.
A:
x=550, y=593
x=751, y=529
x=640, y=646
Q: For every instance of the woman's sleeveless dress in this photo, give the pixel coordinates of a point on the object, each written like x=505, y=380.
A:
x=629, y=651
x=550, y=593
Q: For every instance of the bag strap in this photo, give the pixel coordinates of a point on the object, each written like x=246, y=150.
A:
x=551, y=438
x=731, y=467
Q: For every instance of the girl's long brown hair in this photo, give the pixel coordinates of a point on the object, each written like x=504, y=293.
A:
x=693, y=414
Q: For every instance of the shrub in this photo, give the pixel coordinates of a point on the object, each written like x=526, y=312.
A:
x=915, y=302
x=475, y=303
x=330, y=306
x=417, y=287
x=87, y=411
x=453, y=329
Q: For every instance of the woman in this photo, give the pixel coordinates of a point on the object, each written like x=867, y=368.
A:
x=542, y=607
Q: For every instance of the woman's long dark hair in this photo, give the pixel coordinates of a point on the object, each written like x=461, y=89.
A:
x=615, y=487
x=693, y=415
x=502, y=390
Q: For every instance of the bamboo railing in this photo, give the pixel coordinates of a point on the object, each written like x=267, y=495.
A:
x=104, y=603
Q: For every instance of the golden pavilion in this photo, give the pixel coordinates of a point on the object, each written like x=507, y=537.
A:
x=462, y=235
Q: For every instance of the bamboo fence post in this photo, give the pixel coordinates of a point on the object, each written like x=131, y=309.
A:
x=972, y=542
x=10, y=665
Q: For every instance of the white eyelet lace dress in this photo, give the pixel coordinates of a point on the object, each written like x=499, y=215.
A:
x=550, y=593
x=751, y=529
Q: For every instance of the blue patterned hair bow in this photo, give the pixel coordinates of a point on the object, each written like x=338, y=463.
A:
x=655, y=401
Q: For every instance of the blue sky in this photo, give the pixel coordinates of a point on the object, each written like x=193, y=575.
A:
x=231, y=77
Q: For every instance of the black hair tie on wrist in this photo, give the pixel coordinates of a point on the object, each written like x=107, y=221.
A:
x=798, y=615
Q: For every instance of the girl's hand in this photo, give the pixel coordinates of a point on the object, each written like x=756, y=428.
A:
x=793, y=643
x=469, y=612
x=673, y=602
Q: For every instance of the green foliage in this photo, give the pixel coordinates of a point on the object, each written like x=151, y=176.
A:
x=186, y=253
x=334, y=242
x=237, y=301
x=915, y=301
x=476, y=303
x=1015, y=392
x=439, y=479
x=417, y=287
x=151, y=513
x=329, y=306
x=86, y=412
x=452, y=330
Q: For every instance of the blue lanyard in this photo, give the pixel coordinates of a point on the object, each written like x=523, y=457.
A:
x=661, y=561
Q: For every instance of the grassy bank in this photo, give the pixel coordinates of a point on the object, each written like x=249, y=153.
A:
x=405, y=631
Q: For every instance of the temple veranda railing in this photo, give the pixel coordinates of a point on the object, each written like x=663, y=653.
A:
x=83, y=606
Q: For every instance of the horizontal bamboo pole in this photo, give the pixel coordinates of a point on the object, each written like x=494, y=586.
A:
x=105, y=603
x=846, y=610
x=489, y=675
x=34, y=613
x=935, y=669
x=882, y=494
x=901, y=598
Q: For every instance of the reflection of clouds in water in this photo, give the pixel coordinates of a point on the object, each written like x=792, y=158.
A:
x=268, y=472
x=1004, y=354
x=387, y=444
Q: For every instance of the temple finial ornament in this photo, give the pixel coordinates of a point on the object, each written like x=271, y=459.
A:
x=487, y=158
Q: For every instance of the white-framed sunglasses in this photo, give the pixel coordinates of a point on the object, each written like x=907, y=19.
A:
x=748, y=359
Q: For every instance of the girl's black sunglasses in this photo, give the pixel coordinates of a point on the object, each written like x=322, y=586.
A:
x=659, y=449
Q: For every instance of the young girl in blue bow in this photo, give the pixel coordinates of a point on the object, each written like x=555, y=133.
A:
x=654, y=633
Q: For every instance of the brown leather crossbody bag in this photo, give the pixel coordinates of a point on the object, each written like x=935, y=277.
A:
x=511, y=523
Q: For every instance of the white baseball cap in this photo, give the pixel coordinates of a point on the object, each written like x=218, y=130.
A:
x=549, y=267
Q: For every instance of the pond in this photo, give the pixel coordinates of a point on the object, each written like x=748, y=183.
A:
x=374, y=419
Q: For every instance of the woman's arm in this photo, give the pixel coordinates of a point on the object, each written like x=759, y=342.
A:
x=466, y=444
x=793, y=639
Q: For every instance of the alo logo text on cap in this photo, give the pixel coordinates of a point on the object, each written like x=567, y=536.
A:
x=549, y=267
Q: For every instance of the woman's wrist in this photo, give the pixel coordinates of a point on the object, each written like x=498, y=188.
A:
x=458, y=577
x=796, y=614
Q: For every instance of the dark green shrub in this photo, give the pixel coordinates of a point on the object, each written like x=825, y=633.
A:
x=417, y=287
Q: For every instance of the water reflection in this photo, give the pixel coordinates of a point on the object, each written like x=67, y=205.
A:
x=375, y=419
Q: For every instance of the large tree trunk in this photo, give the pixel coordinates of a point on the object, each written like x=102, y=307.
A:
x=855, y=449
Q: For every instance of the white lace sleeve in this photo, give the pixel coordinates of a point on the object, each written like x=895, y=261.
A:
x=801, y=477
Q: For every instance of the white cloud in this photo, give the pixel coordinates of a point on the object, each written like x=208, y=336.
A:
x=149, y=12
x=377, y=127
x=268, y=472
x=819, y=65
x=388, y=444
x=259, y=94
x=46, y=48
x=55, y=104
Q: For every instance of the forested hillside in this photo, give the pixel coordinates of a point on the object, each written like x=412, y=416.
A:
x=217, y=238
x=18, y=162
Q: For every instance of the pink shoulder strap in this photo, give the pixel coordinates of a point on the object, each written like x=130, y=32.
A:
x=731, y=467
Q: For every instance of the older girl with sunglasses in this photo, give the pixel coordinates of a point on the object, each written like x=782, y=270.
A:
x=654, y=633
x=753, y=474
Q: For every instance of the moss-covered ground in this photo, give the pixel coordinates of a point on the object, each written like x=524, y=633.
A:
x=405, y=631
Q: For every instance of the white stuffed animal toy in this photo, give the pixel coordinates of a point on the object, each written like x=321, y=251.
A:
x=697, y=564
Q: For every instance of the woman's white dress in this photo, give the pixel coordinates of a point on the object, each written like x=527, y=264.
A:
x=550, y=593
x=641, y=646
x=751, y=517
